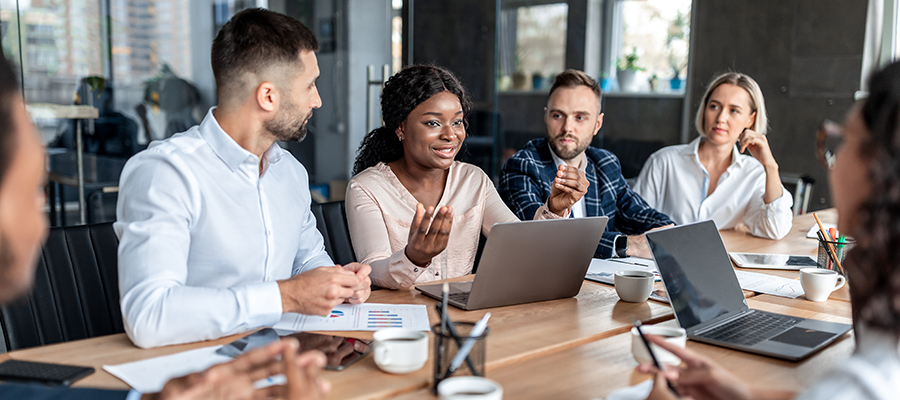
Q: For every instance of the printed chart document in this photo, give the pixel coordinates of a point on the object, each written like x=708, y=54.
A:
x=359, y=317
x=769, y=284
x=604, y=270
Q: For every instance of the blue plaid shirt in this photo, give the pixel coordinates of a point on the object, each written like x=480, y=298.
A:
x=525, y=185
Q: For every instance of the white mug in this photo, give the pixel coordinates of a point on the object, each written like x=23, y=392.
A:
x=818, y=283
x=676, y=336
x=634, y=286
x=469, y=388
x=400, y=350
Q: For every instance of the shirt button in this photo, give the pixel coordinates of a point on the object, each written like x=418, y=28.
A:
x=268, y=278
x=415, y=270
x=437, y=274
x=269, y=232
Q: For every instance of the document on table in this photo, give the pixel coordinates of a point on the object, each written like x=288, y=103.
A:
x=769, y=284
x=811, y=234
x=149, y=376
x=604, y=270
x=359, y=317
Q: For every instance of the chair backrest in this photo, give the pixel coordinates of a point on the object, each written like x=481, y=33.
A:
x=75, y=294
x=331, y=220
x=801, y=186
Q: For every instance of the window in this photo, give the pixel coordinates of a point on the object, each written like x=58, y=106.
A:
x=651, y=38
x=532, y=45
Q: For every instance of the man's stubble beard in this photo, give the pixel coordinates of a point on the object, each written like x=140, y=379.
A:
x=565, y=154
x=288, y=128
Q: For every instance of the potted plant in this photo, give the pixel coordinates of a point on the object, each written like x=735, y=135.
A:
x=537, y=80
x=626, y=71
x=654, y=83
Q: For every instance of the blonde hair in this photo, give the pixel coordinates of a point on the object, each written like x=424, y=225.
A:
x=757, y=103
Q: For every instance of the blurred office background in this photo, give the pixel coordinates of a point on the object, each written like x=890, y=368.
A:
x=144, y=64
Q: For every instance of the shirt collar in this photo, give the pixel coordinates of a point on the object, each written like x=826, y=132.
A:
x=228, y=150
x=693, y=149
x=559, y=161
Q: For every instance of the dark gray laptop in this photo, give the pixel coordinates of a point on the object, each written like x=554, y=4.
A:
x=528, y=261
x=710, y=306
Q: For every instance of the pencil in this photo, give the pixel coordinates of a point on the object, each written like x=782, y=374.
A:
x=828, y=242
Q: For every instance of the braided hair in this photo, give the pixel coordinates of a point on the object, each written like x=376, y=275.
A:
x=873, y=273
x=402, y=93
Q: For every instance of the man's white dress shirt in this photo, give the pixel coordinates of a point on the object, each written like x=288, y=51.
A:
x=203, y=237
x=674, y=182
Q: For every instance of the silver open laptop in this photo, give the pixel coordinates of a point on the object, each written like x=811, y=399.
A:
x=709, y=304
x=528, y=261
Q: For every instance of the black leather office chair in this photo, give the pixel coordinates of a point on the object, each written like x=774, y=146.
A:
x=331, y=220
x=75, y=294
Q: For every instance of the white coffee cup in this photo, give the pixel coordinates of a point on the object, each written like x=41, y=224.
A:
x=634, y=286
x=469, y=388
x=400, y=350
x=818, y=283
x=676, y=336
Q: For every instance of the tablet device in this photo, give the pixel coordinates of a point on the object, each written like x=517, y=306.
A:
x=340, y=352
x=773, y=261
x=43, y=373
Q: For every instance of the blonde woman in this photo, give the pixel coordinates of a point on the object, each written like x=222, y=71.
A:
x=709, y=178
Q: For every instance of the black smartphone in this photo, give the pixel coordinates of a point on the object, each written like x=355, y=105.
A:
x=340, y=352
x=44, y=373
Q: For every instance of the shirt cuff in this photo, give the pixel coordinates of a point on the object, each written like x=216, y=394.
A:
x=543, y=212
x=396, y=271
x=133, y=395
x=263, y=302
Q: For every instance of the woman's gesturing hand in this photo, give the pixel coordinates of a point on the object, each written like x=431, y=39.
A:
x=428, y=234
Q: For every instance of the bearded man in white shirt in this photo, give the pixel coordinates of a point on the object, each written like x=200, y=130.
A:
x=216, y=234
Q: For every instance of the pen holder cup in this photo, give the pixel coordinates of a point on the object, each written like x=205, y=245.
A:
x=825, y=259
x=447, y=347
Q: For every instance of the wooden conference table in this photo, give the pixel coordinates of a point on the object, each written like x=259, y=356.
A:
x=576, y=348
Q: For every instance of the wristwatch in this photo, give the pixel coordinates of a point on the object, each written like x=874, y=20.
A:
x=620, y=246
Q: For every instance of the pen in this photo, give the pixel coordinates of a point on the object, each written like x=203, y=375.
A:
x=842, y=239
x=479, y=328
x=456, y=337
x=637, y=325
x=628, y=262
x=828, y=243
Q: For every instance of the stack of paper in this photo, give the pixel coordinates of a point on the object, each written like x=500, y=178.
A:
x=604, y=270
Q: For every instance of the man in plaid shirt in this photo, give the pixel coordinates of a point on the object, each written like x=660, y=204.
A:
x=573, y=118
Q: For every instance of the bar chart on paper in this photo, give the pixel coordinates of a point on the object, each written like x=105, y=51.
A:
x=359, y=317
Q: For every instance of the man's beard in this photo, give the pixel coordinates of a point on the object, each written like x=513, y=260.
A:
x=288, y=127
x=567, y=154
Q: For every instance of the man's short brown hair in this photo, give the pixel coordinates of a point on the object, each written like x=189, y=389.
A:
x=254, y=41
x=572, y=78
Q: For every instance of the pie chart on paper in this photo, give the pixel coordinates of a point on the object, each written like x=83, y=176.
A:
x=336, y=314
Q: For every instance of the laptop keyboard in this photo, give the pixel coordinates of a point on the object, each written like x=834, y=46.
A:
x=752, y=328
x=460, y=297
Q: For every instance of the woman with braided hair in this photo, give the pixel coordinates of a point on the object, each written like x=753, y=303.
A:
x=415, y=214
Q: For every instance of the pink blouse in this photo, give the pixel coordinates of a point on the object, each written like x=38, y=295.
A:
x=380, y=211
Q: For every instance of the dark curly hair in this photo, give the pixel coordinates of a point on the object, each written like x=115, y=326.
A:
x=873, y=273
x=402, y=93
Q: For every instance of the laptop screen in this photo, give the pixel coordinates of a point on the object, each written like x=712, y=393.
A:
x=697, y=272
